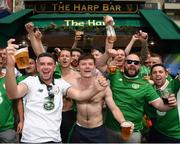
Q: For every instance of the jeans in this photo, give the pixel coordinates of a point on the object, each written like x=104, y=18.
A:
x=8, y=136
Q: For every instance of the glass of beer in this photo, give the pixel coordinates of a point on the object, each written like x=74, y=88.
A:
x=22, y=56
x=126, y=130
x=165, y=94
x=112, y=67
x=79, y=35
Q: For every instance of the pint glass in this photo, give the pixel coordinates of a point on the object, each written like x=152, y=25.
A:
x=111, y=67
x=80, y=34
x=22, y=57
x=165, y=94
x=125, y=130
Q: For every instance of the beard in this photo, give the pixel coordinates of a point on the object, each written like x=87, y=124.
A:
x=74, y=63
x=126, y=72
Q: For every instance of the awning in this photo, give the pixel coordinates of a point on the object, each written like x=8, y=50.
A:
x=15, y=16
x=164, y=27
x=9, y=25
x=43, y=20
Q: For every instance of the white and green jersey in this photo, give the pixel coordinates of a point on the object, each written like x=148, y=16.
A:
x=168, y=123
x=130, y=95
x=6, y=108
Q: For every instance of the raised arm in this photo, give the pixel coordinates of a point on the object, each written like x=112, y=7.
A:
x=109, y=52
x=144, y=46
x=35, y=38
x=131, y=43
x=78, y=36
x=14, y=91
x=109, y=43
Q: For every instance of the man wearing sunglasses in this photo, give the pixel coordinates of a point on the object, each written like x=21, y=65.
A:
x=42, y=96
x=130, y=93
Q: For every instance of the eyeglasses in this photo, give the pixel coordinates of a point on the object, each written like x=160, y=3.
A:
x=135, y=62
x=49, y=105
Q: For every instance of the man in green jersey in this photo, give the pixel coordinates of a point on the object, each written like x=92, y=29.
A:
x=166, y=126
x=130, y=93
x=7, y=132
x=29, y=71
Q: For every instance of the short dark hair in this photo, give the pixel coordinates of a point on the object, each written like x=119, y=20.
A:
x=77, y=49
x=161, y=65
x=156, y=55
x=46, y=54
x=93, y=47
x=86, y=56
x=66, y=49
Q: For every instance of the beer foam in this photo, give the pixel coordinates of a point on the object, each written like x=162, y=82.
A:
x=21, y=50
x=126, y=124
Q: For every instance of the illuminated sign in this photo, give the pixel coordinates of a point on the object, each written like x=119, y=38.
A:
x=82, y=7
x=83, y=23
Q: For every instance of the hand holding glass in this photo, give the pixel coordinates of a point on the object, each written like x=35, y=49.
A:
x=22, y=56
x=126, y=130
x=165, y=94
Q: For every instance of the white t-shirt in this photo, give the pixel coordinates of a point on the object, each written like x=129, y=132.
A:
x=41, y=125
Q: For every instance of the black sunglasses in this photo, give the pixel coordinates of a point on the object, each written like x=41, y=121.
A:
x=49, y=105
x=135, y=62
x=50, y=92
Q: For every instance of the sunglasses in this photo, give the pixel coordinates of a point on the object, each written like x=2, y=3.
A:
x=49, y=104
x=50, y=92
x=135, y=62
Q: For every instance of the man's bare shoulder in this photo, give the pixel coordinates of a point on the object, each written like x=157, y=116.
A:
x=73, y=78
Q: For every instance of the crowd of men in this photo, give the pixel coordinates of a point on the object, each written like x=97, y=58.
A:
x=77, y=97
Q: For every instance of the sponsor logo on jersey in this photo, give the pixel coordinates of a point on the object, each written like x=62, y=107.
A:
x=135, y=86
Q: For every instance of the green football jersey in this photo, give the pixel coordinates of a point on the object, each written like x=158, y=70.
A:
x=168, y=122
x=6, y=108
x=130, y=95
x=57, y=73
x=20, y=78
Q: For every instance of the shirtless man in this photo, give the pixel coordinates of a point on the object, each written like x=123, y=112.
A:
x=68, y=113
x=89, y=126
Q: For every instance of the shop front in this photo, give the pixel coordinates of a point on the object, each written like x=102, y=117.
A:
x=58, y=20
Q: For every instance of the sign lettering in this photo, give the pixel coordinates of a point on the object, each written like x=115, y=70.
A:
x=83, y=23
x=81, y=7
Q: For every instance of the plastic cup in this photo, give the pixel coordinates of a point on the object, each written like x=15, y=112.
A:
x=112, y=69
x=125, y=130
x=22, y=58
